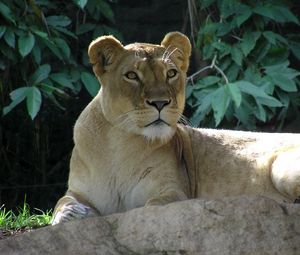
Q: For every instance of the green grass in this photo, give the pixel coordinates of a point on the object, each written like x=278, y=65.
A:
x=23, y=220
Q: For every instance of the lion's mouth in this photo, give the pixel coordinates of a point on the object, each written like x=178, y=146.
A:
x=157, y=122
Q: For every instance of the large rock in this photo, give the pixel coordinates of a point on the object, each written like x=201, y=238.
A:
x=239, y=225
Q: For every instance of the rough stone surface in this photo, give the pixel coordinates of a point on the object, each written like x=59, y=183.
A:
x=239, y=225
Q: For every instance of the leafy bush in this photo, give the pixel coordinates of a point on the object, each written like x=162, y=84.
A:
x=248, y=47
x=43, y=49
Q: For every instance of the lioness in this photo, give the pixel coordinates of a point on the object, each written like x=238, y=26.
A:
x=130, y=150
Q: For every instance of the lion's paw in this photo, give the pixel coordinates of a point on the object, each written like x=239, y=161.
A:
x=70, y=212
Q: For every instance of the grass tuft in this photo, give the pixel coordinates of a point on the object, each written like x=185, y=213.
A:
x=23, y=221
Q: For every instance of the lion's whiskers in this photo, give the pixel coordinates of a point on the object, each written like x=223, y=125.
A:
x=184, y=120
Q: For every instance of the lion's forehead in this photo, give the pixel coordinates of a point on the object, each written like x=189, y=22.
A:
x=146, y=49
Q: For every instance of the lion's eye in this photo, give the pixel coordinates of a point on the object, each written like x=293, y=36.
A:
x=171, y=73
x=131, y=75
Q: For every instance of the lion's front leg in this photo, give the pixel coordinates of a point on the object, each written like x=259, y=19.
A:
x=69, y=208
x=166, y=198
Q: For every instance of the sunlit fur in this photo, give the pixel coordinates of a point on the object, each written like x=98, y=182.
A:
x=125, y=158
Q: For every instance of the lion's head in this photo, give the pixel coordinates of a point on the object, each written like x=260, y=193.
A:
x=143, y=85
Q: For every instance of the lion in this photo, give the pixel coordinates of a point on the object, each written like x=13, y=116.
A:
x=131, y=150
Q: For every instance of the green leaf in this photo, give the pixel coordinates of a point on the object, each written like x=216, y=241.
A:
x=80, y=3
x=106, y=10
x=39, y=33
x=241, y=18
x=58, y=21
x=295, y=47
x=220, y=102
x=8, y=52
x=62, y=79
x=207, y=81
x=33, y=101
x=237, y=55
x=284, y=82
x=17, y=96
x=261, y=114
x=63, y=46
x=2, y=30
x=286, y=14
x=188, y=90
x=7, y=13
x=9, y=37
x=235, y=93
x=202, y=110
x=40, y=74
x=84, y=28
x=91, y=83
x=249, y=41
x=36, y=52
x=66, y=32
x=223, y=48
x=265, y=11
x=53, y=47
x=274, y=37
x=256, y=92
x=283, y=76
x=26, y=43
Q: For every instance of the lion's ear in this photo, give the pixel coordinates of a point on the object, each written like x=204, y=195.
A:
x=103, y=52
x=180, y=47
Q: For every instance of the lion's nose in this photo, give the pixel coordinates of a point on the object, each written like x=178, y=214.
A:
x=159, y=105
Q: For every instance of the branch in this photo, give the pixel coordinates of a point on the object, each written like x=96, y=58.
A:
x=211, y=66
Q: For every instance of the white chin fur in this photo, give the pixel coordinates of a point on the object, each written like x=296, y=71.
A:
x=162, y=132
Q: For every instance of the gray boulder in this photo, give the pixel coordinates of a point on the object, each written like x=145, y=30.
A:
x=239, y=225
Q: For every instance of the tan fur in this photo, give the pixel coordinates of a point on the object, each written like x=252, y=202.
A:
x=123, y=159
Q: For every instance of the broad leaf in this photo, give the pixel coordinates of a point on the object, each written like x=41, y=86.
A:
x=202, y=110
x=40, y=74
x=220, y=102
x=249, y=41
x=106, y=10
x=241, y=18
x=9, y=37
x=36, y=52
x=58, y=21
x=66, y=31
x=235, y=93
x=284, y=82
x=91, y=83
x=33, y=101
x=237, y=55
x=265, y=11
x=250, y=89
x=274, y=37
x=261, y=113
x=17, y=96
x=283, y=76
x=295, y=47
x=207, y=81
x=7, y=13
x=62, y=79
x=2, y=30
x=80, y=3
x=286, y=15
x=53, y=47
x=63, y=46
x=26, y=43
x=84, y=28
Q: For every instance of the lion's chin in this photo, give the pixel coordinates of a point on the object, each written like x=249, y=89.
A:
x=160, y=132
